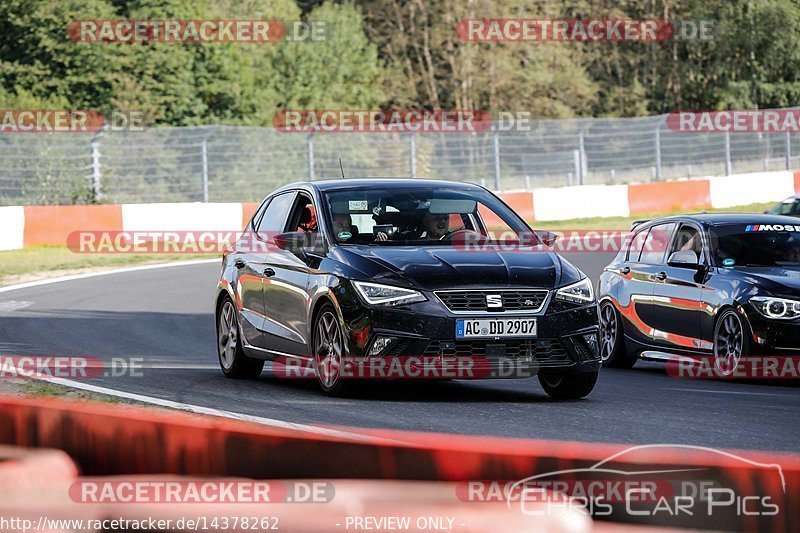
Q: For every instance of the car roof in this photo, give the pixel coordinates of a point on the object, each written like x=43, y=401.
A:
x=357, y=183
x=716, y=219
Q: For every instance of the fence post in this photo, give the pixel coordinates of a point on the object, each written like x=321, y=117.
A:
x=788, y=151
x=728, y=165
x=310, y=146
x=576, y=159
x=496, y=161
x=204, y=148
x=658, y=152
x=582, y=168
x=412, y=155
x=97, y=174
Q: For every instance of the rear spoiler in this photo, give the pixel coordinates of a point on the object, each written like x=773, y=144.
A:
x=638, y=223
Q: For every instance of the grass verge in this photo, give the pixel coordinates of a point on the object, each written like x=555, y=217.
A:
x=36, y=262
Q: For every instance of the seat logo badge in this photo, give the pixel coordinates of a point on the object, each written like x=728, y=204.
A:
x=493, y=301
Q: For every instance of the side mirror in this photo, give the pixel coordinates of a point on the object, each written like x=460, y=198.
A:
x=548, y=237
x=684, y=259
x=291, y=241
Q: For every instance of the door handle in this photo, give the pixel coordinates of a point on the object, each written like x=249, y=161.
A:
x=269, y=272
x=661, y=276
x=625, y=270
x=239, y=263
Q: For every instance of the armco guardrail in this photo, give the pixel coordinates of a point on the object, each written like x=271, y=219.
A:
x=231, y=163
x=112, y=440
x=36, y=225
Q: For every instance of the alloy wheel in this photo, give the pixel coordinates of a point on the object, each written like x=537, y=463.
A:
x=608, y=331
x=227, y=334
x=328, y=349
x=728, y=344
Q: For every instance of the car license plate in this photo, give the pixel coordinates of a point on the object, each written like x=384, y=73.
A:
x=495, y=328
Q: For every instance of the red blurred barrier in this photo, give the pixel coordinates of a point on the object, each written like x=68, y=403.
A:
x=109, y=440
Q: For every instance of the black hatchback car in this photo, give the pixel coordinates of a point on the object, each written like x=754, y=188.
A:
x=722, y=286
x=345, y=275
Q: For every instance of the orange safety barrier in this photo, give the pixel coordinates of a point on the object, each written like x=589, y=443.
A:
x=161, y=442
x=521, y=202
x=248, y=209
x=797, y=181
x=665, y=196
x=51, y=224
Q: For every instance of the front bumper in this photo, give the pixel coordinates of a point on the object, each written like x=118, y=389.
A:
x=424, y=338
x=773, y=337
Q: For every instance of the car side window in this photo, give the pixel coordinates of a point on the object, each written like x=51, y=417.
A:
x=304, y=215
x=276, y=214
x=256, y=220
x=687, y=238
x=633, y=247
x=656, y=244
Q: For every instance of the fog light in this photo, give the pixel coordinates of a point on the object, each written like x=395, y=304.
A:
x=591, y=341
x=379, y=345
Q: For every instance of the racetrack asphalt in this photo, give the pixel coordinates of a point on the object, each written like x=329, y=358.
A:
x=164, y=316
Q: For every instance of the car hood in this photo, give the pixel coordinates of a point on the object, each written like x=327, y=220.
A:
x=435, y=267
x=777, y=280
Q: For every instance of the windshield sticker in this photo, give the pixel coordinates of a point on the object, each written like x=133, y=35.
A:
x=772, y=227
x=358, y=205
x=344, y=235
x=728, y=262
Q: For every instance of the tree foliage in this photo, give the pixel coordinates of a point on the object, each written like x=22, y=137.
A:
x=399, y=54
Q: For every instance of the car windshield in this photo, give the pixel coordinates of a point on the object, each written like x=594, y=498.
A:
x=413, y=216
x=759, y=245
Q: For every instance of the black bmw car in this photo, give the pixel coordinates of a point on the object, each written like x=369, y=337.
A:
x=347, y=274
x=720, y=286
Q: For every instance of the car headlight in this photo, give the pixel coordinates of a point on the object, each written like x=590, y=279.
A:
x=581, y=292
x=777, y=308
x=387, y=295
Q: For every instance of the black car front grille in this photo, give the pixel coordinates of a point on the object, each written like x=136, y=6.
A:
x=542, y=350
x=476, y=301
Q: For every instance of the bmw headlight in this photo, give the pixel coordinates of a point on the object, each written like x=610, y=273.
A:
x=387, y=295
x=581, y=292
x=777, y=308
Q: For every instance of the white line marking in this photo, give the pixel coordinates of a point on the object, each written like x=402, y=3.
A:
x=317, y=430
x=74, y=277
x=734, y=392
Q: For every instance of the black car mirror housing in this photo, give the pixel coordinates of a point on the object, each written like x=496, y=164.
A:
x=684, y=259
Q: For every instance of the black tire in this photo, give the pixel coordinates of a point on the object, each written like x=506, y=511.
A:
x=232, y=359
x=568, y=386
x=612, y=339
x=731, y=341
x=328, y=350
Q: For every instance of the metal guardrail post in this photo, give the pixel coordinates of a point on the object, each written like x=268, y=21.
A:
x=204, y=151
x=788, y=150
x=97, y=173
x=583, y=167
x=412, y=155
x=728, y=164
x=496, y=161
x=658, y=152
x=310, y=151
